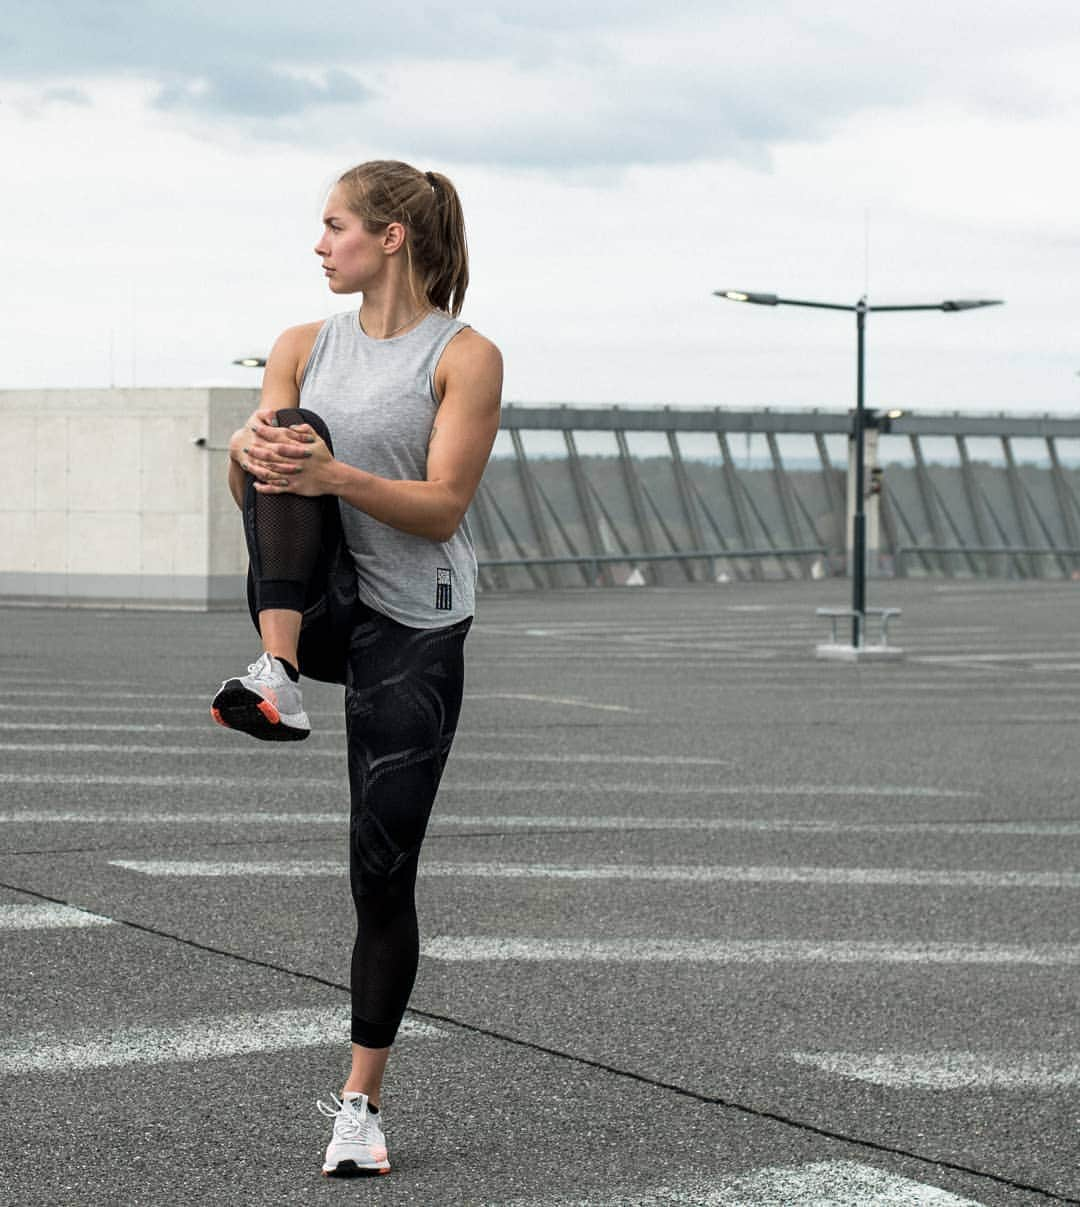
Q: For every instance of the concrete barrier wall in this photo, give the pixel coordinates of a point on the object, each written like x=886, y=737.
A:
x=109, y=497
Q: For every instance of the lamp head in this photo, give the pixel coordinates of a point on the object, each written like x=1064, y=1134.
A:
x=971, y=303
x=739, y=295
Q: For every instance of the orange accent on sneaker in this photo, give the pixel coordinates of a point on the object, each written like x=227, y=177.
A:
x=216, y=714
x=269, y=711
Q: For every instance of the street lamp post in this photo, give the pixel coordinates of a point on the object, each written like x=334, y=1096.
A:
x=858, y=535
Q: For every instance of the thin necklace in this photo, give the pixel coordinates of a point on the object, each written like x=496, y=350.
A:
x=410, y=319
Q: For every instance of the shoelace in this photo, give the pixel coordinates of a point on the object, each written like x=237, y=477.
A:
x=263, y=668
x=353, y=1121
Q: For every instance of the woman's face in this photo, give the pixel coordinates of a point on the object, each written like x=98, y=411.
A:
x=351, y=256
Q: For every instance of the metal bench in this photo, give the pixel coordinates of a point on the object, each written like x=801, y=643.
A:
x=883, y=615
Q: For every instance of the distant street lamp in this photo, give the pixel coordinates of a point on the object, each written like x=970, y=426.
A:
x=860, y=309
x=251, y=362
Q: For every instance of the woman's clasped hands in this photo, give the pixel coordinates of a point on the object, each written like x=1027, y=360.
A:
x=282, y=460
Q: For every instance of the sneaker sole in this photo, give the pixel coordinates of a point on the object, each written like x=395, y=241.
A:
x=235, y=707
x=350, y=1169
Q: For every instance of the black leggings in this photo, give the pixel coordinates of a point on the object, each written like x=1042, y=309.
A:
x=403, y=689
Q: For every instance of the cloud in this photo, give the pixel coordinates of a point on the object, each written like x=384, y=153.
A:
x=592, y=85
x=260, y=93
x=67, y=96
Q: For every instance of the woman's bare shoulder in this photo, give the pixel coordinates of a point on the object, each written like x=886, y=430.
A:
x=470, y=347
x=300, y=338
x=292, y=349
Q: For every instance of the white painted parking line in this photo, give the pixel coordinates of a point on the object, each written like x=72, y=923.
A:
x=505, y=786
x=146, y=817
x=952, y=1070
x=474, y=948
x=88, y=779
x=66, y=727
x=48, y=917
x=1003, y=658
x=51, y=693
x=778, y=824
x=659, y=760
x=571, y=701
x=821, y=1184
x=185, y=1040
x=706, y=874
x=280, y=867
x=443, y=822
x=702, y=874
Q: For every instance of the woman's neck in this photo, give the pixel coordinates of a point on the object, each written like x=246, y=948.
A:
x=384, y=315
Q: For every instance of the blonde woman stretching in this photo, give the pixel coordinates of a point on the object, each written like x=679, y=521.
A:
x=354, y=477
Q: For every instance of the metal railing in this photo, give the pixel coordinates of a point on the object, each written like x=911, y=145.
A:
x=566, y=515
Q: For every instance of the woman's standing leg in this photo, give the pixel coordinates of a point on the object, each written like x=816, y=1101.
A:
x=402, y=702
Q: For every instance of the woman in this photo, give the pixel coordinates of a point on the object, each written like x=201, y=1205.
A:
x=354, y=477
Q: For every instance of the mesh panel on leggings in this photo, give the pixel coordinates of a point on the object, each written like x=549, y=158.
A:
x=285, y=533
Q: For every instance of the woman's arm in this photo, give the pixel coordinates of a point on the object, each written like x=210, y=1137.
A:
x=461, y=439
x=280, y=390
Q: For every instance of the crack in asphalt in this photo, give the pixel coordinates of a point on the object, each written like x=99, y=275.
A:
x=583, y=1061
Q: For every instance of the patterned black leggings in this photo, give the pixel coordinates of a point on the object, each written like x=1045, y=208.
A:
x=403, y=689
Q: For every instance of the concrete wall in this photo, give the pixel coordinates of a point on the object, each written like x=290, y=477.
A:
x=109, y=498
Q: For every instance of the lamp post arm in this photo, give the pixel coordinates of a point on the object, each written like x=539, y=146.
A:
x=815, y=305
x=927, y=306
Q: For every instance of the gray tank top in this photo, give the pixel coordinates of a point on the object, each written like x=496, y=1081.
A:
x=377, y=396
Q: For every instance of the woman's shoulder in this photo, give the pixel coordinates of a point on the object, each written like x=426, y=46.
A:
x=467, y=345
x=472, y=363
x=302, y=336
x=293, y=347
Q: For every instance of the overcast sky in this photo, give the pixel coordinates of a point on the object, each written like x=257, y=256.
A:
x=165, y=165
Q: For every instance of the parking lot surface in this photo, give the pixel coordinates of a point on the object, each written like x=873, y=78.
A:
x=704, y=920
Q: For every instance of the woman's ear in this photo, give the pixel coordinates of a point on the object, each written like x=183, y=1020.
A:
x=393, y=238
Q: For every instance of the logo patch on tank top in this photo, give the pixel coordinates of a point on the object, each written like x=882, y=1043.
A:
x=443, y=597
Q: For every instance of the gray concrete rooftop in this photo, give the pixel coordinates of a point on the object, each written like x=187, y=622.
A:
x=705, y=920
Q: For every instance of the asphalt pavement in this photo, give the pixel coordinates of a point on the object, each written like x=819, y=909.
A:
x=704, y=920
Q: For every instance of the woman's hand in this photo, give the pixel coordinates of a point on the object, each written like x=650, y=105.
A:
x=292, y=460
x=280, y=459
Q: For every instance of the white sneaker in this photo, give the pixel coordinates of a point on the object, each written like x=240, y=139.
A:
x=265, y=703
x=358, y=1144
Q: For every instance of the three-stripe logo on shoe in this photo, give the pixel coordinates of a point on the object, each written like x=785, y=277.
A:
x=443, y=601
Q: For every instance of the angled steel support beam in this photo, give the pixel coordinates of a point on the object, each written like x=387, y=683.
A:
x=478, y=511
x=971, y=493
x=1003, y=536
x=1048, y=536
x=1017, y=493
x=607, y=518
x=958, y=536
x=693, y=524
x=721, y=540
x=834, y=497
x=567, y=540
x=926, y=496
x=735, y=498
x=669, y=536
x=785, y=569
x=785, y=492
x=588, y=516
x=1065, y=497
x=890, y=537
x=632, y=483
x=489, y=497
x=901, y=565
x=532, y=506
